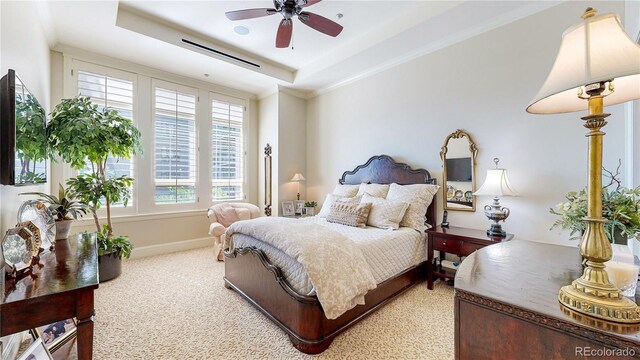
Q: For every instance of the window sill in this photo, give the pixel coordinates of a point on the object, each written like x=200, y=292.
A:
x=88, y=219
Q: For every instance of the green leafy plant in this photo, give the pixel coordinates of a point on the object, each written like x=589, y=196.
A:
x=83, y=135
x=310, y=204
x=65, y=206
x=115, y=244
x=621, y=208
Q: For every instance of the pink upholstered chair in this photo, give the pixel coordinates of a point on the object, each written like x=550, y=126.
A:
x=243, y=211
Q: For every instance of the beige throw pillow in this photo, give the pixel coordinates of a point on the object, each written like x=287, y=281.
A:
x=349, y=214
x=346, y=190
x=330, y=199
x=377, y=190
x=419, y=197
x=385, y=214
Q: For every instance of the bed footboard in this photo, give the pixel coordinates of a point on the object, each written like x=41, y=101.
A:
x=249, y=272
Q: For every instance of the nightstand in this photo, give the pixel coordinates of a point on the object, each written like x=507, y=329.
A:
x=457, y=241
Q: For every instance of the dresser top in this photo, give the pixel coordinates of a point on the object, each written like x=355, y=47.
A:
x=528, y=275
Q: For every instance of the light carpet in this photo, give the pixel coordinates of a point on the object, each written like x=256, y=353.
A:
x=175, y=306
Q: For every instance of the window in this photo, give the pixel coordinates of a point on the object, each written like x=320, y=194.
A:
x=227, y=152
x=175, y=146
x=114, y=93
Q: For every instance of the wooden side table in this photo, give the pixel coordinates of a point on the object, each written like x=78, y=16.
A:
x=457, y=241
x=60, y=290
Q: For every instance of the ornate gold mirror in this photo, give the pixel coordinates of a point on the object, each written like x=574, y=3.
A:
x=458, y=156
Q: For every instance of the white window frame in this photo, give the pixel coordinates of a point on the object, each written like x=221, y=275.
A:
x=68, y=172
x=198, y=163
x=245, y=126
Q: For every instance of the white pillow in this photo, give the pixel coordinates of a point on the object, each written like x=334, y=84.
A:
x=385, y=214
x=419, y=197
x=377, y=190
x=330, y=199
x=346, y=190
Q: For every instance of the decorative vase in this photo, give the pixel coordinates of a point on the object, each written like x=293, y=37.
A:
x=311, y=211
x=109, y=266
x=63, y=227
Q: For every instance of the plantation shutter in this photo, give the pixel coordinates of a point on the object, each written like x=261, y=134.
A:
x=175, y=147
x=109, y=92
x=227, y=152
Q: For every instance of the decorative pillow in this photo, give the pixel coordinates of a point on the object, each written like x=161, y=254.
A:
x=349, y=214
x=346, y=190
x=330, y=199
x=419, y=197
x=385, y=214
x=377, y=190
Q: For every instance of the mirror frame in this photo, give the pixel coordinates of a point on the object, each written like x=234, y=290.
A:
x=459, y=134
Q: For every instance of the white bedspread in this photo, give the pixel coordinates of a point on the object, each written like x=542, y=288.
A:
x=335, y=266
x=387, y=252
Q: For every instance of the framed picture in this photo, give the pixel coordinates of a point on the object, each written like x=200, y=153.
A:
x=55, y=334
x=299, y=206
x=37, y=351
x=288, y=208
x=304, y=211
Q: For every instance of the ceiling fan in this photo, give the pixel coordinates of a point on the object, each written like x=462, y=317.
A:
x=288, y=9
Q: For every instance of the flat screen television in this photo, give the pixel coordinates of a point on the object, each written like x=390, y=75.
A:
x=459, y=169
x=23, y=136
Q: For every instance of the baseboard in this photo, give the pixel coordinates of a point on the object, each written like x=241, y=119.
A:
x=152, y=250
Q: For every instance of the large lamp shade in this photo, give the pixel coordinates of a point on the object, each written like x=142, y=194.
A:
x=496, y=184
x=595, y=50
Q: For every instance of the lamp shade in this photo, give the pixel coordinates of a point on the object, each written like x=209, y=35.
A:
x=298, y=177
x=496, y=184
x=595, y=50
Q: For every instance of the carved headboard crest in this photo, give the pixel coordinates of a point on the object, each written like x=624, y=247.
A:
x=382, y=169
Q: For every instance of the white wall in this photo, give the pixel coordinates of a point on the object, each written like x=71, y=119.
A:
x=24, y=48
x=481, y=85
x=292, y=131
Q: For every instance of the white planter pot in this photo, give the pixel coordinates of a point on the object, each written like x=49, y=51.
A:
x=63, y=227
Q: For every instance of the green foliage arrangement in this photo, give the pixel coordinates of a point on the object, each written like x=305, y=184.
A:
x=621, y=208
x=65, y=206
x=82, y=135
x=310, y=204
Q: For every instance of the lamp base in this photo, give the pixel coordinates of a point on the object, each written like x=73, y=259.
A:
x=592, y=296
x=496, y=231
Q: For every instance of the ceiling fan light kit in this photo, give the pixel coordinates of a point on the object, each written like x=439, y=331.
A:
x=290, y=9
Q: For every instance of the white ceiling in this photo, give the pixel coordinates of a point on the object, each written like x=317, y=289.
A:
x=376, y=34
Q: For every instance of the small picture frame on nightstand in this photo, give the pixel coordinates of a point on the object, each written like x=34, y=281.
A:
x=299, y=206
x=288, y=208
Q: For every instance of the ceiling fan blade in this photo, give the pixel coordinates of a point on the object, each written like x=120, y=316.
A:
x=311, y=2
x=249, y=13
x=321, y=23
x=283, y=39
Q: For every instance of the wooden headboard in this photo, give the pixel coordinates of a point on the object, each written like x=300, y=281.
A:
x=382, y=169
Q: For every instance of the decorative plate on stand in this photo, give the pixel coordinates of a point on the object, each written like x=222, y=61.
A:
x=20, y=245
x=39, y=214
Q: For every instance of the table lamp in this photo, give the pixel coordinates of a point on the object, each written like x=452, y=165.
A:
x=297, y=177
x=598, y=64
x=496, y=184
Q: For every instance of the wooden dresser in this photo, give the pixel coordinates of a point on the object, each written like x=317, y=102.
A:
x=506, y=307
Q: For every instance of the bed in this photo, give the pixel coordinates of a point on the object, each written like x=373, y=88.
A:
x=251, y=274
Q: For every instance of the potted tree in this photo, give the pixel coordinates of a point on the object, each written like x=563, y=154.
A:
x=65, y=207
x=85, y=136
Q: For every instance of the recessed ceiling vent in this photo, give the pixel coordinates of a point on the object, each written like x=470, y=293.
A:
x=219, y=53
